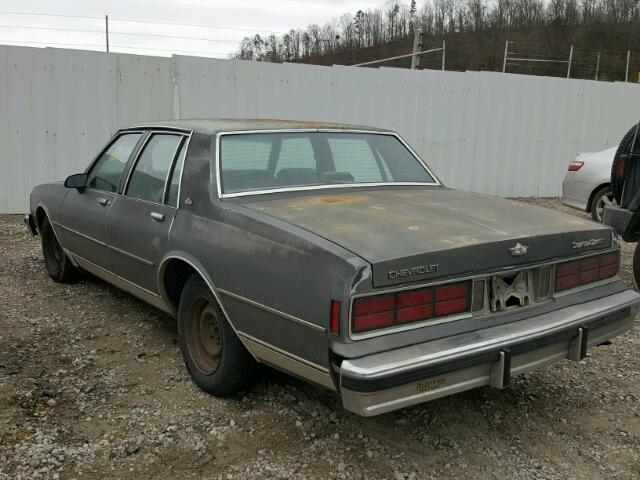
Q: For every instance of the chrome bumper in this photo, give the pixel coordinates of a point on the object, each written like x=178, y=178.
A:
x=391, y=380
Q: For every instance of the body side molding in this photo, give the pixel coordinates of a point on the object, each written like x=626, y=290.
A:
x=266, y=308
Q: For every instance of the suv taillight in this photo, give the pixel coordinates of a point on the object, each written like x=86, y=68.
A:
x=586, y=270
x=400, y=308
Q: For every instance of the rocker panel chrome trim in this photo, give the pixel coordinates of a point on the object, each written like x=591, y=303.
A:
x=281, y=359
x=124, y=284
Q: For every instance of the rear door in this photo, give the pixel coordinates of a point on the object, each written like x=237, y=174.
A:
x=139, y=221
x=84, y=212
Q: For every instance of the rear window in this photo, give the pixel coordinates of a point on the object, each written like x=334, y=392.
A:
x=269, y=161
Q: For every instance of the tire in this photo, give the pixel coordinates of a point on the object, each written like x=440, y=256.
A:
x=636, y=265
x=602, y=197
x=215, y=358
x=56, y=261
x=623, y=150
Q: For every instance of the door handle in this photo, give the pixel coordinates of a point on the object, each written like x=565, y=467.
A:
x=158, y=217
x=103, y=201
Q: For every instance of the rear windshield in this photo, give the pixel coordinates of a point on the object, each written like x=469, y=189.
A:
x=267, y=161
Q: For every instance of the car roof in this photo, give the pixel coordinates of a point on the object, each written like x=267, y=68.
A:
x=212, y=126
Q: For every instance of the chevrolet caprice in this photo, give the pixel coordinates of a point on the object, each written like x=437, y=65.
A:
x=335, y=254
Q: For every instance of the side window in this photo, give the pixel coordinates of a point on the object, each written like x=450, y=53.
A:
x=355, y=156
x=176, y=174
x=106, y=172
x=295, y=153
x=152, y=168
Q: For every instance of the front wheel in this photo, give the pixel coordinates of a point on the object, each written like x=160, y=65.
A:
x=601, y=199
x=59, y=266
x=215, y=358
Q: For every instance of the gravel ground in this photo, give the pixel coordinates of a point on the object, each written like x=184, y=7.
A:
x=92, y=385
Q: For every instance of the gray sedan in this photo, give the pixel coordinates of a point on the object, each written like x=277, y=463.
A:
x=587, y=185
x=335, y=254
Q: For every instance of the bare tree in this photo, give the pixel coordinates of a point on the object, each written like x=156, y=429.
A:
x=398, y=19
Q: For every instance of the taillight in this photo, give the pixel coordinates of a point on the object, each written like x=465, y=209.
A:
x=373, y=313
x=400, y=308
x=575, y=166
x=587, y=270
x=334, y=324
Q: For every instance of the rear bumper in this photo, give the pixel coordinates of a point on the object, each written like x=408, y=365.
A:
x=578, y=204
x=575, y=193
x=395, y=379
x=30, y=223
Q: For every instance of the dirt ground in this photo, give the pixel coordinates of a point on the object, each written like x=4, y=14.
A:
x=92, y=385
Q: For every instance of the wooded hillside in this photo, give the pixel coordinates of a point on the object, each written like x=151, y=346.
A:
x=475, y=32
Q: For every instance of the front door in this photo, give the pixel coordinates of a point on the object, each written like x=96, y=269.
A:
x=84, y=212
x=139, y=221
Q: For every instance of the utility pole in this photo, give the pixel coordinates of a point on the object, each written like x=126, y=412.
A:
x=626, y=73
x=570, y=59
x=506, y=53
x=597, y=65
x=418, y=38
x=106, y=30
x=444, y=51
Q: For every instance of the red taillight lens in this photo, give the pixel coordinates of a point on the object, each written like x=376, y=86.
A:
x=334, y=324
x=410, y=306
x=415, y=305
x=372, y=313
x=452, y=299
x=575, y=166
x=588, y=270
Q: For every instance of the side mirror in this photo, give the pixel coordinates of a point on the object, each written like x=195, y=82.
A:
x=79, y=181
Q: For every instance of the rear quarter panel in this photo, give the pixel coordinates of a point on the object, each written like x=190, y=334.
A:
x=260, y=259
x=288, y=271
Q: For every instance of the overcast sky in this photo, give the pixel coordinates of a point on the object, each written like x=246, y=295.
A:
x=64, y=24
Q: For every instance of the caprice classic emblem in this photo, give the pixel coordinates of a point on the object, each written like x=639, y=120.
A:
x=518, y=250
x=413, y=271
x=587, y=243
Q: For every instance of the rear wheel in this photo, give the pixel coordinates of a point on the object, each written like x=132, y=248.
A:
x=58, y=264
x=215, y=358
x=601, y=199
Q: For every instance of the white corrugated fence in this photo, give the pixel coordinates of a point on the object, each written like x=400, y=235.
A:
x=505, y=135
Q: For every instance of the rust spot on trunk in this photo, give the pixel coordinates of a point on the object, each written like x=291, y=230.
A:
x=332, y=200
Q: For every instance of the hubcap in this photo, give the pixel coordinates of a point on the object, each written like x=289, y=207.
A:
x=204, y=336
x=602, y=202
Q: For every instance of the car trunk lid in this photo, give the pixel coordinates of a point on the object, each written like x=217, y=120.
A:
x=414, y=233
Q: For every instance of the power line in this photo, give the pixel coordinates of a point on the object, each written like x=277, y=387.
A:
x=155, y=22
x=53, y=44
x=223, y=27
x=34, y=27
